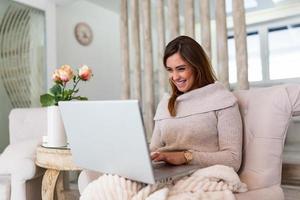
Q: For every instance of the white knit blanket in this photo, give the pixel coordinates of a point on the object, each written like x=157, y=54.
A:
x=216, y=182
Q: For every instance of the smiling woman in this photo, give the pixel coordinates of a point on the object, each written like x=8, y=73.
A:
x=199, y=123
x=180, y=73
x=188, y=67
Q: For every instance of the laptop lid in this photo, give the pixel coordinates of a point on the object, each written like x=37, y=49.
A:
x=109, y=137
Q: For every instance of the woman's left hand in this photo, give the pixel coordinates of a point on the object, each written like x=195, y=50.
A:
x=174, y=157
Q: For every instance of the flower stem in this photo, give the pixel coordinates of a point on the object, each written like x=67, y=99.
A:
x=63, y=90
x=74, y=87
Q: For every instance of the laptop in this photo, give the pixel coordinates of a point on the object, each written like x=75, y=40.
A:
x=109, y=137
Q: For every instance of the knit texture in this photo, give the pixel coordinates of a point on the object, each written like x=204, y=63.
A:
x=211, y=183
x=207, y=123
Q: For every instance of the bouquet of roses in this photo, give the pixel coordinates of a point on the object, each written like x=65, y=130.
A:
x=60, y=91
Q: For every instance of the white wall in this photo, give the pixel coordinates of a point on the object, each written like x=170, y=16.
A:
x=102, y=55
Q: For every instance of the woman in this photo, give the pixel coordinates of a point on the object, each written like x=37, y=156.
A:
x=200, y=122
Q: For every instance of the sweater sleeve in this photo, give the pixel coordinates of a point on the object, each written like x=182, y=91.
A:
x=230, y=141
x=156, y=138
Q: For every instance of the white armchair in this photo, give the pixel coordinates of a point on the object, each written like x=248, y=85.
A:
x=20, y=178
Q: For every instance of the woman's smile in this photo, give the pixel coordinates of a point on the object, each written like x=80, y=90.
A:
x=180, y=73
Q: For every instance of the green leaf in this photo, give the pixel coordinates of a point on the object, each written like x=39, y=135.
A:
x=59, y=98
x=83, y=98
x=80, y=98
x=67, y=95
x=56, y=90
x=47, y=100
x=68, y=92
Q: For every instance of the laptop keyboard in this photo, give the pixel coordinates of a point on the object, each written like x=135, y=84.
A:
x=158, y=164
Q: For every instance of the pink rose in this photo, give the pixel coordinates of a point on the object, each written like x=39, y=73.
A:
x=65, y=73
x=85, y=73
x=56, y=77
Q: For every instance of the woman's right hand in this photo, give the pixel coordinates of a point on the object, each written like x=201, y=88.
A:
x=174, y=157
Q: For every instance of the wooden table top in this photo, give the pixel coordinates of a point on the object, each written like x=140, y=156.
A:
x=55, y=158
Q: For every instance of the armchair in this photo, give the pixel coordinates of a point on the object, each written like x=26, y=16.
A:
x=20, y=178
x=266, y=113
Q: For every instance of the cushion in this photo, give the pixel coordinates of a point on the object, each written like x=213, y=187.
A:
x=27, y=123
x=266, y=113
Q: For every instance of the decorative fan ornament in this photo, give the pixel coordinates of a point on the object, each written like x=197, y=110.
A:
x=22, y=62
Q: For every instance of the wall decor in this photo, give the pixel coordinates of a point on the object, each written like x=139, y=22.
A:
x=83, y=33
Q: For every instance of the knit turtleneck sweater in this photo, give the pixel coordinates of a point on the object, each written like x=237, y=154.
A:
x=207, y=123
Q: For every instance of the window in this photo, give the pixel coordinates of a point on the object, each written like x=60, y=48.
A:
x=284, y=52
x=254, y=60
x=273, y=52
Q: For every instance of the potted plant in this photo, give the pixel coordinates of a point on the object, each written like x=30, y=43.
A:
x=56, y=136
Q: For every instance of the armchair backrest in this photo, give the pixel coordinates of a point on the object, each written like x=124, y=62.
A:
x=266, y=113
x=27, y=123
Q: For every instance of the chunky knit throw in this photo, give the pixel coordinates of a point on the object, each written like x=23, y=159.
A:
x=215, y=182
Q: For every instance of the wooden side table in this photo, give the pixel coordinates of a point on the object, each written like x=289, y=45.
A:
x=54, y=160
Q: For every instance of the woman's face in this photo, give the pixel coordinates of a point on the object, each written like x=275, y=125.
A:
x=180, y=72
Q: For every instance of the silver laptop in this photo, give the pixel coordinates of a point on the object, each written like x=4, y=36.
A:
x=109, y=137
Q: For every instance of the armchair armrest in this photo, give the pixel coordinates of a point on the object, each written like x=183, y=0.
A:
x=19, y=160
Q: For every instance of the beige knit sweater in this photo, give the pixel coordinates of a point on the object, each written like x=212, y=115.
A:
x=208, y=123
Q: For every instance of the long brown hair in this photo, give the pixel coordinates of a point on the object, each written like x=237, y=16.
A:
x=194, y=54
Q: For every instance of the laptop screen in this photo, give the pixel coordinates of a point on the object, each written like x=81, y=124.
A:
x=109, y=137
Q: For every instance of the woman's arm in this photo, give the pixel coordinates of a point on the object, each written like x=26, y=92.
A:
x=156, y=138
x=230, y=133
x=175, y=158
